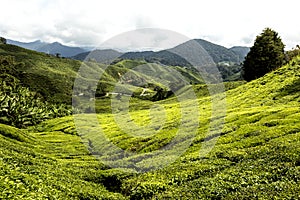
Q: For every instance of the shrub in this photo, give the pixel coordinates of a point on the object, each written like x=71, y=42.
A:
x=20, y=107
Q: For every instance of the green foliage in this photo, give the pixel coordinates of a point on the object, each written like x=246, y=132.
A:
x=3, y=40
x=51, y=78
x=14, y=133
x=129, y=63
x=21, y=108
x=230, y=71
x=293, y=53
x=161, y=94
x=50, y=165
x=266, y=55
x=143, y=189
x=256, y=157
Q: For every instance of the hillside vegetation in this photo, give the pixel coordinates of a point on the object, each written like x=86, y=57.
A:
x=47, y=75
x=53, y=78
x=256, y=157
x=227, y=60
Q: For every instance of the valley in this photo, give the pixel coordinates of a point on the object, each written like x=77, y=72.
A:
x=102, y=150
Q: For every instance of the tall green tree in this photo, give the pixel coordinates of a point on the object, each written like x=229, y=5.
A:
x=266, y=55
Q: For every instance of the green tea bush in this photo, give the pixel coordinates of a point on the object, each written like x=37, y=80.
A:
x=144, y=190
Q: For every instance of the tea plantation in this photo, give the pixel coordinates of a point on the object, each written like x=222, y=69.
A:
x=256, y=153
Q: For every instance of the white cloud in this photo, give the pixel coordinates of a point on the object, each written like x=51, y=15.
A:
x=90, y=22
x=145, y=39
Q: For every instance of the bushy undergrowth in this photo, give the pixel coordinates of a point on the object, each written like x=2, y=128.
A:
x=21, y=108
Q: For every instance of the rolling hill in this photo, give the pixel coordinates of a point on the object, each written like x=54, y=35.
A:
x=256, y=156
x=53, y=78
x=228, y=60
x=47, y=75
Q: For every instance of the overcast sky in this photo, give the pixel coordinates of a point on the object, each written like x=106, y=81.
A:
x=90, y=22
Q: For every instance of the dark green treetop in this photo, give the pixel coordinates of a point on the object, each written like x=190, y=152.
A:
x=265, y=55
x=3, y=40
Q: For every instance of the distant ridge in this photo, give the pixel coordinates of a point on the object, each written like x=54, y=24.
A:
x=102, y=56
x=50, y=48
x=217, y=52
x=227, y=60
x=240, y=51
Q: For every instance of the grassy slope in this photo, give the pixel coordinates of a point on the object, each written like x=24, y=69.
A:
x=48, y=75
x=54, y=77
x=257, y=155
x=48, y=165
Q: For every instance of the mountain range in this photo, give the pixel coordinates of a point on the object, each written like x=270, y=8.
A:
x=50, y=48
x=171, y=56
x=217, y=52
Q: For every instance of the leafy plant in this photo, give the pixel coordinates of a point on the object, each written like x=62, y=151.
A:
x=21, y=108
